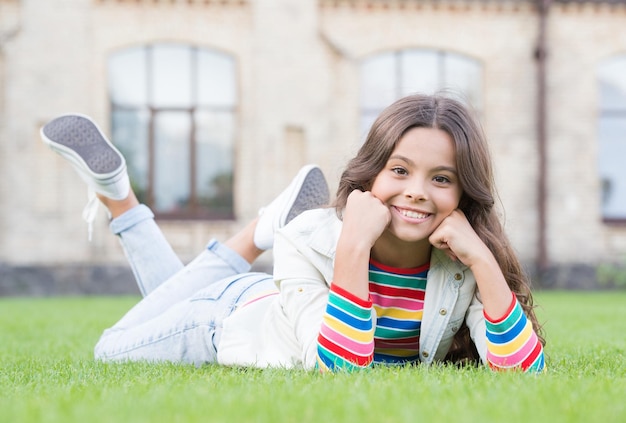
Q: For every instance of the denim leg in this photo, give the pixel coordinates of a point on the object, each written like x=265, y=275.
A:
x=150, y=256
x=174, y=320
x=189, y=330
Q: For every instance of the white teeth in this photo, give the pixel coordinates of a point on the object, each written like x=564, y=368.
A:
x=413, y=214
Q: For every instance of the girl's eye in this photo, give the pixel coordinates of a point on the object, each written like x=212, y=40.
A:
x=399, y=170
x=441, y=179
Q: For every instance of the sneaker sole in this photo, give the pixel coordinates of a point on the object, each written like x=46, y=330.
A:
x=313, y=193
x=79, y=139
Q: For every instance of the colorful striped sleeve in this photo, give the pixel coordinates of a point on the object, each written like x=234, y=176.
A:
x=512, y=343
x=346, y=338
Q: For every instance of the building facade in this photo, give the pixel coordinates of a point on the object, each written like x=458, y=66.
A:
x=217, y=103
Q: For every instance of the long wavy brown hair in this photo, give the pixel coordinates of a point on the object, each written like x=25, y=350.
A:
x=473, y=161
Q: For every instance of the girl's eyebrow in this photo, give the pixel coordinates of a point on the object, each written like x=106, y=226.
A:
x=403, y=158
x=446, y=168
x=410, y=162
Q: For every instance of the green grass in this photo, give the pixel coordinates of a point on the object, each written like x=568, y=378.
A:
x=47, y=374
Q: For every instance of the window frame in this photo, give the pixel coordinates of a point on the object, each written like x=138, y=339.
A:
x=442, y=58
x=193, y=209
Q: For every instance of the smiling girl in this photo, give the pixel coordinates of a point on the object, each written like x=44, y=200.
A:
x=422, y=247
x=410, y=265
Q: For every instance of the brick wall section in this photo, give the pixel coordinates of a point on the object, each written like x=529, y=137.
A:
x=298, y=99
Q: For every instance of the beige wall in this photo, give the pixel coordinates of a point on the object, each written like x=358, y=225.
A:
x=298, y=102
x=582, y=38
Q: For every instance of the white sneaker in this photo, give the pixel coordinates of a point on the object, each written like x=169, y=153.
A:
x=79, y=140
x=308, y=190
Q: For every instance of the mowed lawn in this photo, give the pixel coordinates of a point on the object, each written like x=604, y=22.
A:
x=47, y=374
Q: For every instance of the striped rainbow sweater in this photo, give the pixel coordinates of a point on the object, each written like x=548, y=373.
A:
x=349, y=339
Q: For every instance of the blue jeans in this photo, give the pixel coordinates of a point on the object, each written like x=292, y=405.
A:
x=180, y=316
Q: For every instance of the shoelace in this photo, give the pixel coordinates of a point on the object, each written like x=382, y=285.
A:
x=90, y=211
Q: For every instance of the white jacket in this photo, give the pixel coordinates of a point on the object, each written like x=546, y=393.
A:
x=282, y=330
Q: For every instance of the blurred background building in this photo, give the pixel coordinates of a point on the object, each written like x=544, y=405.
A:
x=217, y=103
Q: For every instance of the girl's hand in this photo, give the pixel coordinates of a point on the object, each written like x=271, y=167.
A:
x=456, y=237
x=364, y=218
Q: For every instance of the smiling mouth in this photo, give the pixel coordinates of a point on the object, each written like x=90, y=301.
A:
x=412, y=214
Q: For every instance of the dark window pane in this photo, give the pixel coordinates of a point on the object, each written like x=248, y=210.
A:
x=127, y=77
x=612, y=166
x=171, y=76
x=612, y=136
x=378, y=85
x=612, y=81
x=216, y=80
x=420, y=72
x=172, y=188
x=463, y=76
x=214, y=161
x=130, y=133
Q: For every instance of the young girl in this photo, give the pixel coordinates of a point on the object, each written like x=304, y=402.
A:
x=410, y=265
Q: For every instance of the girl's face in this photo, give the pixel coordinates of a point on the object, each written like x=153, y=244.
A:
x=420, y=185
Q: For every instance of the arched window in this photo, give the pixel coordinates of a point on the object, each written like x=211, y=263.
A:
x=387, y=76
x=173, y=109
x=612, y=137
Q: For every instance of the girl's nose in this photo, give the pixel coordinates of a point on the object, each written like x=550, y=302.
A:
x=416, y=191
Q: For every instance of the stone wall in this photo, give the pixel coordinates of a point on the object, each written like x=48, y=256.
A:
x=298, y=103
